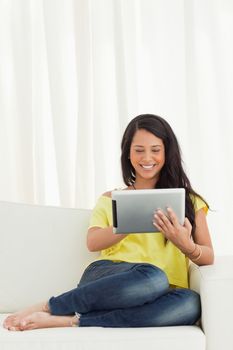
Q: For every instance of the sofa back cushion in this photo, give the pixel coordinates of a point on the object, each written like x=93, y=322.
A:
x=42, y=252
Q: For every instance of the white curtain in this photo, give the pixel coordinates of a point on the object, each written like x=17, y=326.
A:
x=74, y=72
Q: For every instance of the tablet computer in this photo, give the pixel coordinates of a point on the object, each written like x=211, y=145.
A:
x=133, y=211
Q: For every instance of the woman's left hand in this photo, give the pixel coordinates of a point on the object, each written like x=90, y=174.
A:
x=173, y=230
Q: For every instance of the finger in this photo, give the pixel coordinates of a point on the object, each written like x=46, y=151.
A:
x=161, y=227
x=156, y=223
x=164, y=221
x=173, y=217
x=159, y=214
x=188, y=225
x=158, y=228
x=161, y=230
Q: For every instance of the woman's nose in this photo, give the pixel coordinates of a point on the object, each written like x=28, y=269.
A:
x=147, y=156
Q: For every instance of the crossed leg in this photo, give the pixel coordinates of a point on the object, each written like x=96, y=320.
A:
x=139, y=284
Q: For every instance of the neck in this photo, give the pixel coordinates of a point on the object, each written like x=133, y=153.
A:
x=137, y=186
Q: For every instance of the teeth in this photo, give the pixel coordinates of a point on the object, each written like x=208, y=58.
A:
x=147, y=166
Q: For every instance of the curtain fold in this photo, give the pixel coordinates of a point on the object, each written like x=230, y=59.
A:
x=73, y=73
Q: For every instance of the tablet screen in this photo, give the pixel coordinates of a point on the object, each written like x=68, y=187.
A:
x=133, y=210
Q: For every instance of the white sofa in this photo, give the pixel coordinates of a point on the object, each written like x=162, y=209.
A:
x=43, y=253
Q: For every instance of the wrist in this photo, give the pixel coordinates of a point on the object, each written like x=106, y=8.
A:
x=191, y=249
x=195, y=254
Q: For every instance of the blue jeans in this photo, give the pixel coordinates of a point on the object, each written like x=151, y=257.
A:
x=121, y=294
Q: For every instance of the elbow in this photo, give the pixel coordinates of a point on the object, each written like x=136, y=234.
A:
x=91, y=249
x=212, y=258
x=90, y=245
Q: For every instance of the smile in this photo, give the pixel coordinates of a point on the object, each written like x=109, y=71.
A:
x=147, y=167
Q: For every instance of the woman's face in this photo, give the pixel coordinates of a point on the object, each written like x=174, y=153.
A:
x=147, y=155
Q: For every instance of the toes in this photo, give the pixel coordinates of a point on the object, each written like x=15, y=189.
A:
x=9, y=321
x=5, y=324
x=27, y=323
x=23, y=324
x=14, y=328
x=28, y=326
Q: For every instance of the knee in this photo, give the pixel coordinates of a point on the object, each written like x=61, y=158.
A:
x=192, y=307
x=180, y=307
x=155, y=280
x=189, y=306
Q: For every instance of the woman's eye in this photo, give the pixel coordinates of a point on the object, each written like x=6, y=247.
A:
x=140, y=151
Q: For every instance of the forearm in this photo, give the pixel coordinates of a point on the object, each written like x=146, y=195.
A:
x=102, y=238
x=200, y=254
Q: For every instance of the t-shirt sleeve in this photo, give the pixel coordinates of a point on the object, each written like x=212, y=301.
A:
x=200, y=204
x=99, y=216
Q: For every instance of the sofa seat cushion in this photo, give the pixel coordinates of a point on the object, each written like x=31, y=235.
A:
x=97, y=338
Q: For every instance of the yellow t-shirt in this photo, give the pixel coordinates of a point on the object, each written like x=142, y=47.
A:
x=146, y=247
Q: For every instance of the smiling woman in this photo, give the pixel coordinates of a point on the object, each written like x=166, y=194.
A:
x=147, y=156
x=143, y=277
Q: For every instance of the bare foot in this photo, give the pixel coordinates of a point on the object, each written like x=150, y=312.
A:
x=42, y=319
x=14, y=320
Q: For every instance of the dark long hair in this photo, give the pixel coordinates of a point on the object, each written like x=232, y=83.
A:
x=172, y=174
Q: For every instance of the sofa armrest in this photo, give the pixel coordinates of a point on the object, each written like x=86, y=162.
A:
x=214, y=283
x=42, y=252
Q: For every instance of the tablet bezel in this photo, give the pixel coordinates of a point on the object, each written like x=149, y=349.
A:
x=133, y=210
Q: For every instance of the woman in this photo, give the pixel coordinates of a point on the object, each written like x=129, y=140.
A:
x=140, y=280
